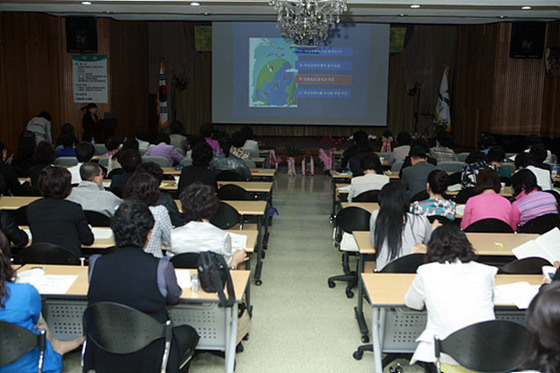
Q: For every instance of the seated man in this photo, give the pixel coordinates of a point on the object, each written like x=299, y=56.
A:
x=84, y=152
x=415, y=178
x=90, y=192
x=404, y=139
x=137, y=279
x=163, y=149
x=373, y=178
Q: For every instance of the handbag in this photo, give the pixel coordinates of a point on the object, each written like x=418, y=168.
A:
x=213, y=276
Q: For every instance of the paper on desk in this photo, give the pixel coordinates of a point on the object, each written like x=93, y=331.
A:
x=106, y=184
x=519, y=293
x=347, y=187
x=184, y=278
x=349, y=173
x=47, y=284
x=460, y=210
x=238, y=241
x=102, y=232
x=454, y=188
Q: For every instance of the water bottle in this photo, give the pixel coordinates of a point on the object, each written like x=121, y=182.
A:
x=194, y=283
x=555, y=170
x=93, y=141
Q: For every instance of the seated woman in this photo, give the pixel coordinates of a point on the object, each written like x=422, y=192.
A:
x=43, y=156
x=393, y=230
x=67, y=147
x=143, y=188
x=21, y=304
x=67, y=129
x=372, y=179
x=199, y=203
x=456, y=291
x=475, y=162
x=488, y=204
x=530, y=202
x=112, y=145
x=55, y=220
x=23, y=159
x=201, y=157
x=132, y=277
x=436, y=205
x=443, y=152
x=363, y=147
x=229, y=162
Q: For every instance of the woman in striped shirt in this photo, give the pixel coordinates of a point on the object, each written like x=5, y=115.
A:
x=529, y=199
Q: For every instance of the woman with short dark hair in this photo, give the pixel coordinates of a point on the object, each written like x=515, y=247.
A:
x=488, y=204
x=201, y=157
x=44, y=155
x=23, y=159
x=52, y=219
x=530, y=201
x=142, y=187
x=438, y=181
x=456, y=291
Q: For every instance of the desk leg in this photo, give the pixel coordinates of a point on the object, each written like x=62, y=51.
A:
x=333, y=192
x=248, y=289
x=258, y=269
x=376, y=337
x=231, y=337
x=359, y=310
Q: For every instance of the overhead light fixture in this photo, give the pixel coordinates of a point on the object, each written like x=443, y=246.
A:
x=86, y=2
x=526, y=7
x=194, y=3
x=415, y=6
x=307, y=22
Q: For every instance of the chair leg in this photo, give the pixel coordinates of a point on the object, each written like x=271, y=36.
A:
x=359, y=353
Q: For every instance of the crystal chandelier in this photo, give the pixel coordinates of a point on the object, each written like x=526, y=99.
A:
x=307, y=22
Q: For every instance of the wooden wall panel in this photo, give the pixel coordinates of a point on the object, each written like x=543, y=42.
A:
x=551, y=91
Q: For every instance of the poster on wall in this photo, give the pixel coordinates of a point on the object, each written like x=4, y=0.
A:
x=89, y=78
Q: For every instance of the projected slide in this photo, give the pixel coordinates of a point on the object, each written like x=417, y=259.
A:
x=274, y=81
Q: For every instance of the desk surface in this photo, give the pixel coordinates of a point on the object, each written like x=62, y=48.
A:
x=393, y=175
x=259, y=172
x=250, y=186
x=80, y=286
x=14, y=203
x=389, y=289
x=253, y=208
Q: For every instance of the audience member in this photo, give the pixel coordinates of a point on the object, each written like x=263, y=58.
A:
x=23, y=159
x=201, y=157
x=250, y=144
x=67, y=129
x=486, y=143
x=237, y=142
x=496, y=157
x=436, y=205
x=415, y=178
x=177, y=138
x=529, y=201
x=44, y=155
x=475, y=162
x=165, y=199
x=363, y=147
x=443, y=152
x=353, y=149
x=489, y=204
x=539, y=152
x=534, y=139
x=163, y=149
x=393, y=230
x=526, y=160
x=229, y=162
x=143, y=139
x=90, y=193
x=418, y=142
x=55, y=220
x=401, y=151
x=134, y=278
x=114, y=160
x=199, y=203
x=144, y=188
x=84, y=153
x=112, y=145
x=373, y=178
x=455, y=289
x=207, y=130
x=8, y=173
x=67, y=147
x=41, y=127
x=8, y=224
x=89, y=120
x=129, y=160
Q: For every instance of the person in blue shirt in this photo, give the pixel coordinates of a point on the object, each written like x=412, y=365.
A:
x=67, y=150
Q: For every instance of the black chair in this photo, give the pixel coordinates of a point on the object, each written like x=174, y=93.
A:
x=116, y=171
x=369, y=196
x=20, y=215
x=490, y=346
x=442, y=219
x=525, y=266
x=226, y=217
x=16, y=341
x=234, y=192
x=455, y=178
x=45, y=253
x=420, y=196
x=97, y=219
x=229, y=175
x=118, y=191
x=556, y=195
x=541, y=224
x=490, y=226
x=348, y=220
x=122, y=330
x=464, y=195
x=185, y=260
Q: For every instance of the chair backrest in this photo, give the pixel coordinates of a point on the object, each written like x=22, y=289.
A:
x=511, y=166
x=462, y=156
x=20, y=215
x=234, y=192
x=229, y=175
x=464, y=195
x=490, y=346
x=396, y=167
x=556, y=195
x=120, y=329
x=352, y=219
x=104, y=161
x=420, y=196
x=185, y=260
x=45, y=253
x=490, y=226
x=16, y=341
x=369, y=196
x=66, y=161
x=186, y=162
x=441, y=219
x=455, y=178
x=97, y=219
x=384, y=155
x=525, y=266
x=161, y=161
x=225, y=217
x=250, y=163
x=451, y=166
x=541, y=224
x=405, y=264
x=116, y=171
x=100, y=149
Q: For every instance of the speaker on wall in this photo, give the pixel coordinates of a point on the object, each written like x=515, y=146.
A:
x=527, y=40
x=81, y=34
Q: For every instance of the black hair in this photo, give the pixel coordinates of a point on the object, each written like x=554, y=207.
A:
x=199, y=201
x=523, y=180
x=131, y=224
x=439, y=181
x=26, y=147
x=2, y=146
x=195, y=139
x=448, y=243
x=476, y=156
x=85, y=151
x=7, y=272
x=225, y=144
x=66, y=140
x=497, y=154
x=363, y=146
x=141, y=133
x=391, y=220
x=163, y=137
x=176, y=127
x=539, y=151
x=129, y=159
x=131, y=144
x=487, y=141
x=417, y=152
x=404, y=138
x=112, y=143
x=238, y=139
x=444, y=138
x=207, y=129
x=89, y=170
x=248, y=132
x=532, y=140
x=142, y=187
x=202, y=154
x=488, y=179
x=67, y=128
x=45, y=115
x=3, y=186
x=44, y=153
x=360, y=135
x=370, y=161
x=151, y=168
x=523, y=160
x=55, y=182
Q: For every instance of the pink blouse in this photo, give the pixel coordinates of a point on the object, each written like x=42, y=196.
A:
x=490, y=206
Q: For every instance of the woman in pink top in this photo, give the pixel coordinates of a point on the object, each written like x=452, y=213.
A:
x=488, y=204
x=206, y=130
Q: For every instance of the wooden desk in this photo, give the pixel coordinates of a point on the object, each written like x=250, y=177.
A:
x=250, y=186
x=14, y=203
x=390, y=315
x=216, y=326
x=259, y=173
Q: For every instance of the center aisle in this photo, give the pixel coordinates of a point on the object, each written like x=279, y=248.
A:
x=299, y=324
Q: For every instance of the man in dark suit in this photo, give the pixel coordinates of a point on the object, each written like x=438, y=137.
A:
x=415, y=178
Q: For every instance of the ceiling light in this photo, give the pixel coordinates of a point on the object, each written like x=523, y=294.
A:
x=415, y=6
x=194, y=3
x=86, y=2
x=526, y=8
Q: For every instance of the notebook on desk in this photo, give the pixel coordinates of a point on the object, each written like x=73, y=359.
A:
x=545, y=246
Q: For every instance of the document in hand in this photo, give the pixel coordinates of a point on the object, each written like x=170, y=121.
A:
x=546, y=247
